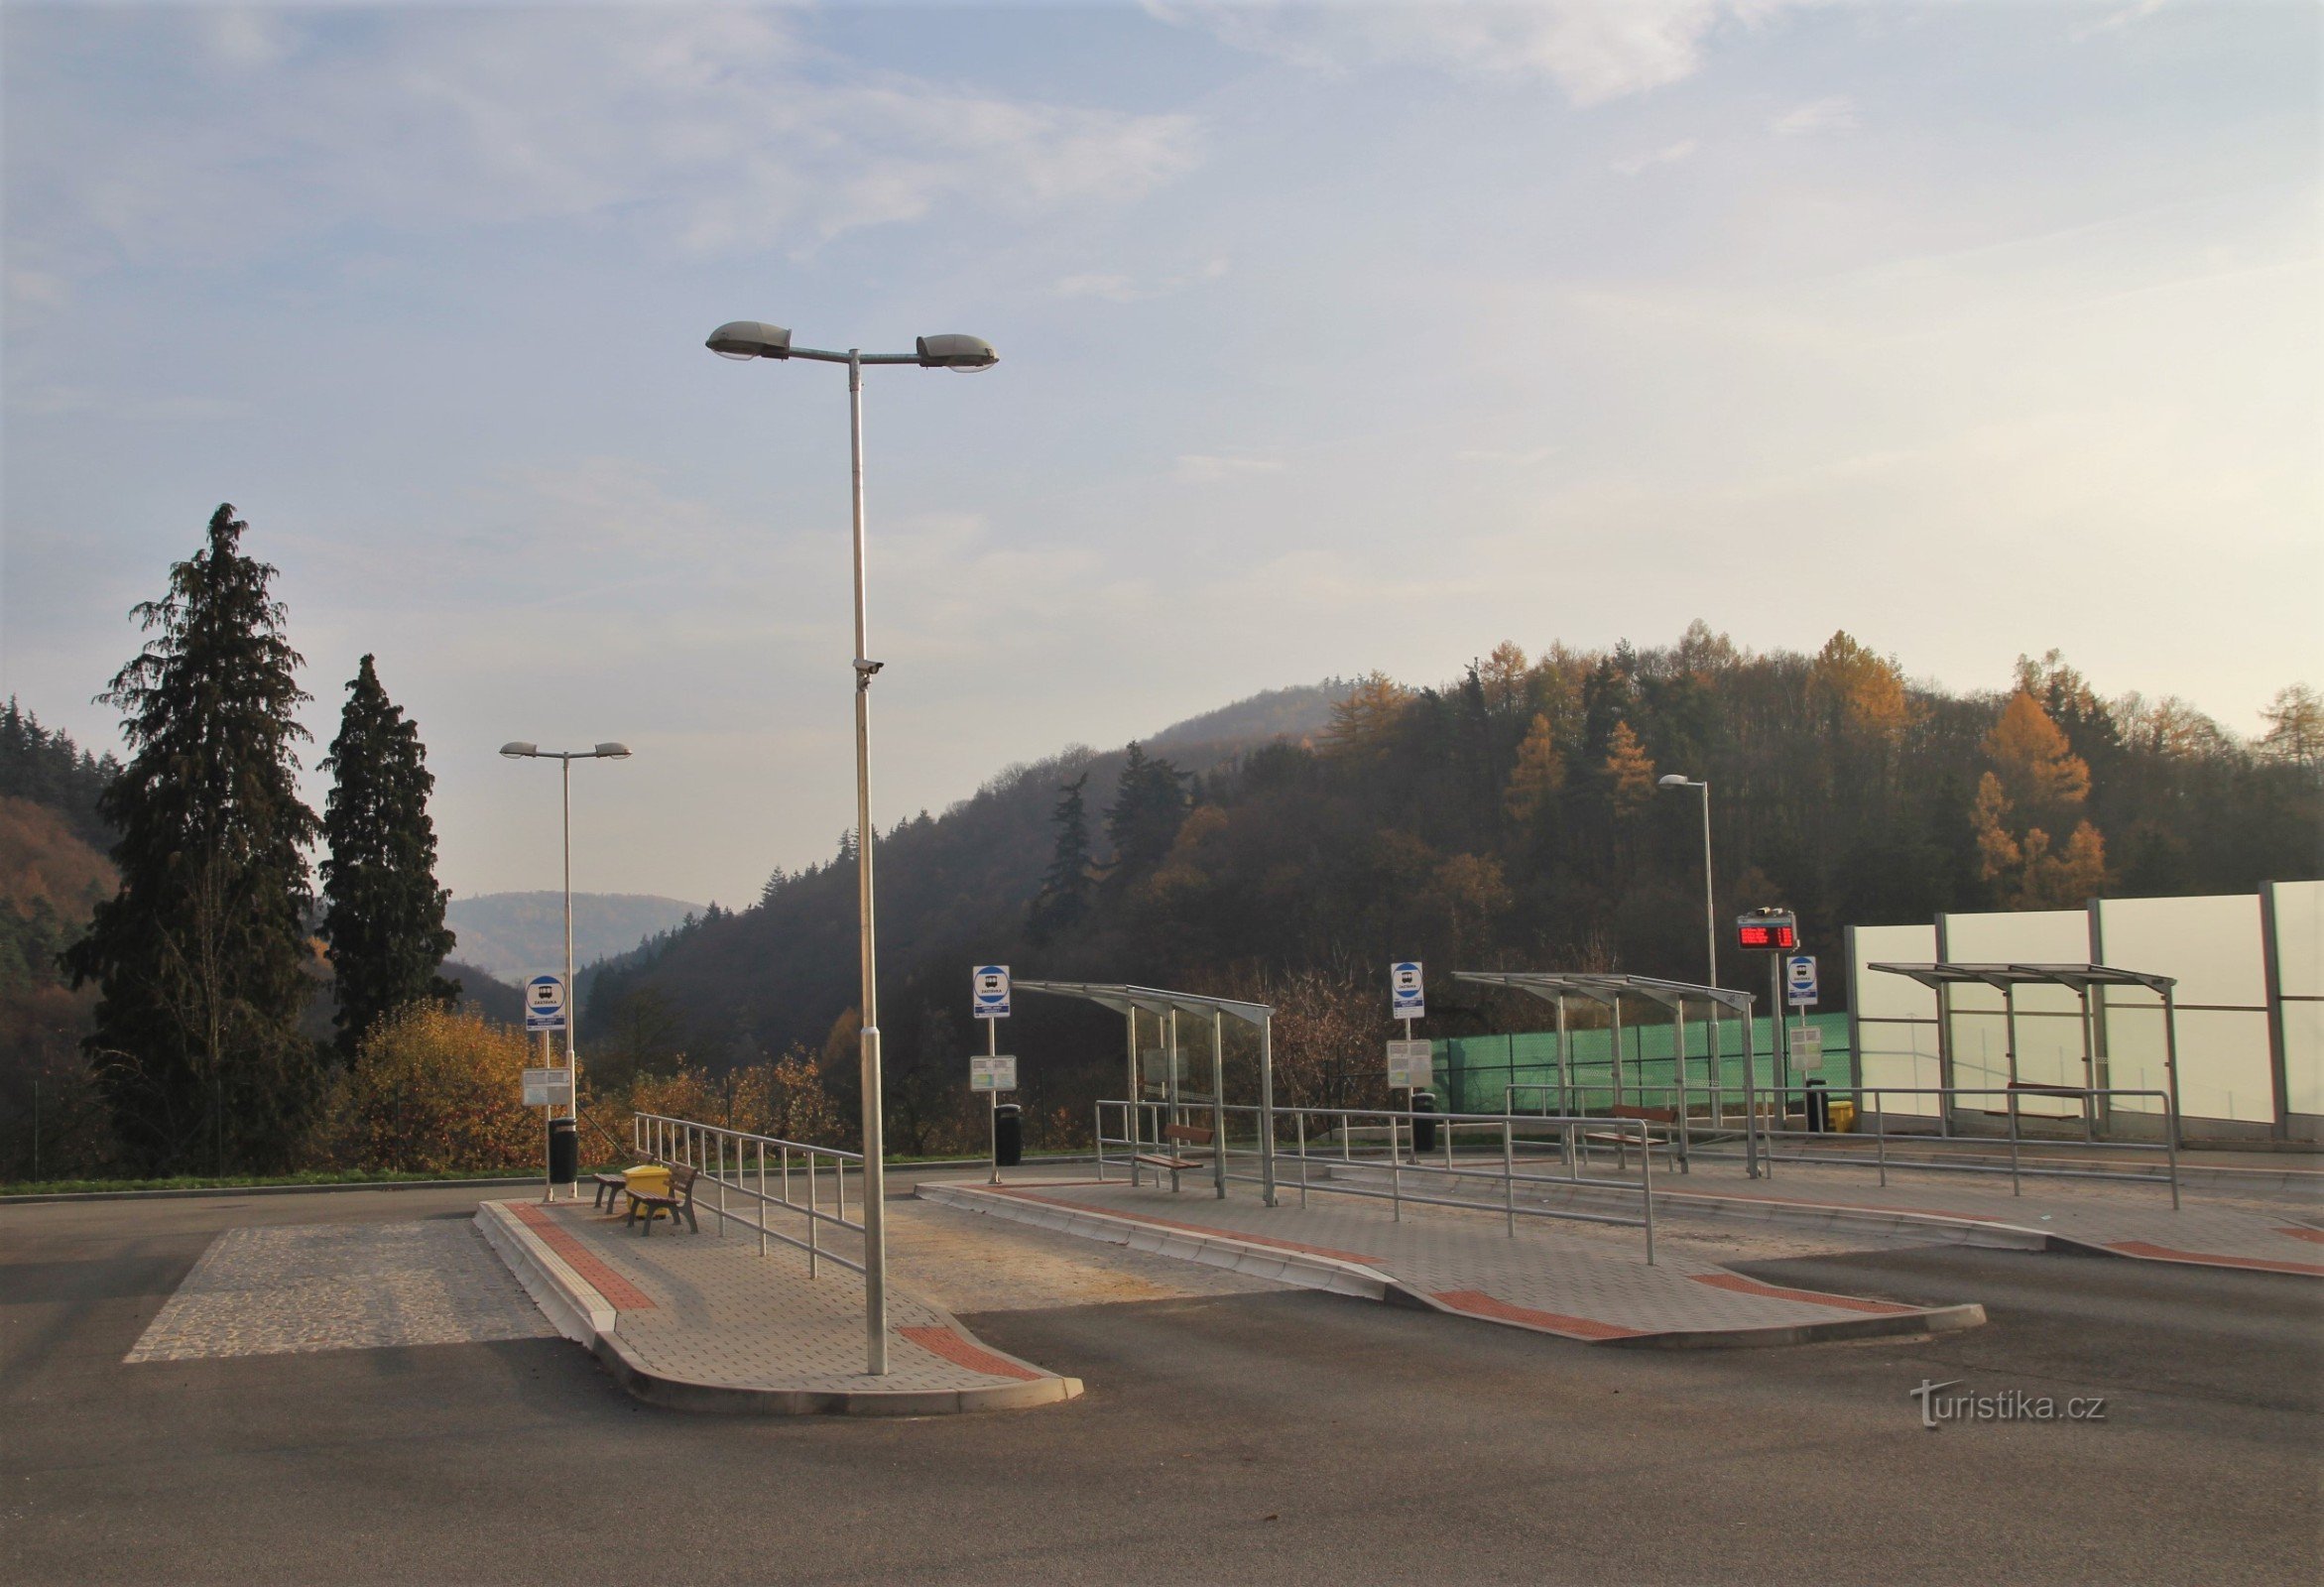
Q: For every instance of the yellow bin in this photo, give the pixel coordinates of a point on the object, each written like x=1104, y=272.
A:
x=1842, y=1116
x=651, y=1180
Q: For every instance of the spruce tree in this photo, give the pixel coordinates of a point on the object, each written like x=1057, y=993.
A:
x=1064, y=892
x=1150, y=805
x=383, y=913
x=200, y=953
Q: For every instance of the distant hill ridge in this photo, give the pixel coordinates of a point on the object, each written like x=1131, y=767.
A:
x=513, y=935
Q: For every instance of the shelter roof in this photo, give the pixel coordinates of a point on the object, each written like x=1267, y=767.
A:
x=2074, y=977
x=1122, y=998
x=1606, y=988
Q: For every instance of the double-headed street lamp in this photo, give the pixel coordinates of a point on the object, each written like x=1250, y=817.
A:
x=1710, y=909
x=520, y=750
x=751, y=338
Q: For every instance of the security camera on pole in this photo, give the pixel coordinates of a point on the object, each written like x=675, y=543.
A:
x=996, y=1071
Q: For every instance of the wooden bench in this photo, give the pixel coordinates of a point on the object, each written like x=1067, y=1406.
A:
x=1193, y=1135
x=681, y=1199
x=1669, y=1146
x=609, y=1190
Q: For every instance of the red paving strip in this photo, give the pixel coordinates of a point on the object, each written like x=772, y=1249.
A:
x=1477, y=1304
x=2143, y=1248
x=1194, y=1228
x=618, y=1292
x=2316, y=1235
x=1752, y=1287
x=939, y=1341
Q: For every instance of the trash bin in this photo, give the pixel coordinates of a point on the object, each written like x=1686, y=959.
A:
x=1423, y=1127
x=1007, y=1135
x=564, y=1151
x=1819, y=1108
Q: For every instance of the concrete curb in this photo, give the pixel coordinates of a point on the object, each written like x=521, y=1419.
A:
x=1305, y=1270
x=1934, y=1320
x=1313, y=1271
x=585, y=1316
x=565, y=1297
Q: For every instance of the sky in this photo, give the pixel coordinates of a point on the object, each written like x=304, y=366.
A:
x=1332, y=338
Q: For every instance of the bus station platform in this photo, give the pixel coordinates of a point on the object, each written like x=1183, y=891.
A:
x=1465, y=1263
x=706, y=1322
x=2260, y=1227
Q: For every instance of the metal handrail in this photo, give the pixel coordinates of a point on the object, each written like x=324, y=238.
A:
x=705, y=1148
x=1510, y=1127
x=1768, y=1129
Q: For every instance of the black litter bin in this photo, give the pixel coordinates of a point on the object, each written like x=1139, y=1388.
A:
x=1819, y=1108
x=564, y=1151
x=1007, y=1135
x=1424, y=1126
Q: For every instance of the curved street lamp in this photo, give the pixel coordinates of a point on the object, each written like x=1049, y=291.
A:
x=1710, y=909
x=520, y=750
x=755, y=338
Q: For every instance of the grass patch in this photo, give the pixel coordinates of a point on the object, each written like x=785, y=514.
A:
x=245, y=1182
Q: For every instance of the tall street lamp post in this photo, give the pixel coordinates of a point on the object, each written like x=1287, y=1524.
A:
x=1710, y=909
x=751, y=338
x=518, y=750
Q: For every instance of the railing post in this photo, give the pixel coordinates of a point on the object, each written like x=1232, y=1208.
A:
x=1301, y=1116
x=721, y=1177
x=762, y=1198
x=1645, y=1157
x=2015, y=1188
x=1509, y=1173
x=1396, y=1173
x=2171, y=1109
x=815, y=1239
x=1097, y=1123
x=1880, y=1135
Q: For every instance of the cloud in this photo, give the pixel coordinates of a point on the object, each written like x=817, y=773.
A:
x=718, y=130
x=1836, y=114
x=2137, y=11
x=1592, y=50
x=1661, y=157
x=1530, y=458
x=1115, y=288
x=1197, y=468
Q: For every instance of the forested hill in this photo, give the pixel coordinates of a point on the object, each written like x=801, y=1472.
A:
x=1510, y=819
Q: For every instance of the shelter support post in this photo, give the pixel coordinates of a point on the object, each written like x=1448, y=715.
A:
x=1267, y=1109
x=1218, y=1102
x=1130, y=1017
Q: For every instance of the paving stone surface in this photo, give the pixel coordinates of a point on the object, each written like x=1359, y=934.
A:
x=720, y=1312
x=341, y=1287
x=973, y=1264
x=1543, y=1276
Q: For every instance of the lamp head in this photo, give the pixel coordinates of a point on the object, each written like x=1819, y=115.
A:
x=612, y=752
x=964, y=353
x=750, y=338
x=518, y=748
x=1675, y=779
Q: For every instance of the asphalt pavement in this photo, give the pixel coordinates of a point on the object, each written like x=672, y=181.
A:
x=1238, y=1436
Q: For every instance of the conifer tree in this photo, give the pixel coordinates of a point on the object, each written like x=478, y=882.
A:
x=1064, y=891
x=201, y=954
x=383, y=912
x=1150, y=805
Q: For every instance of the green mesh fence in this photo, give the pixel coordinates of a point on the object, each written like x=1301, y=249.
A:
x=1473, y=1072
